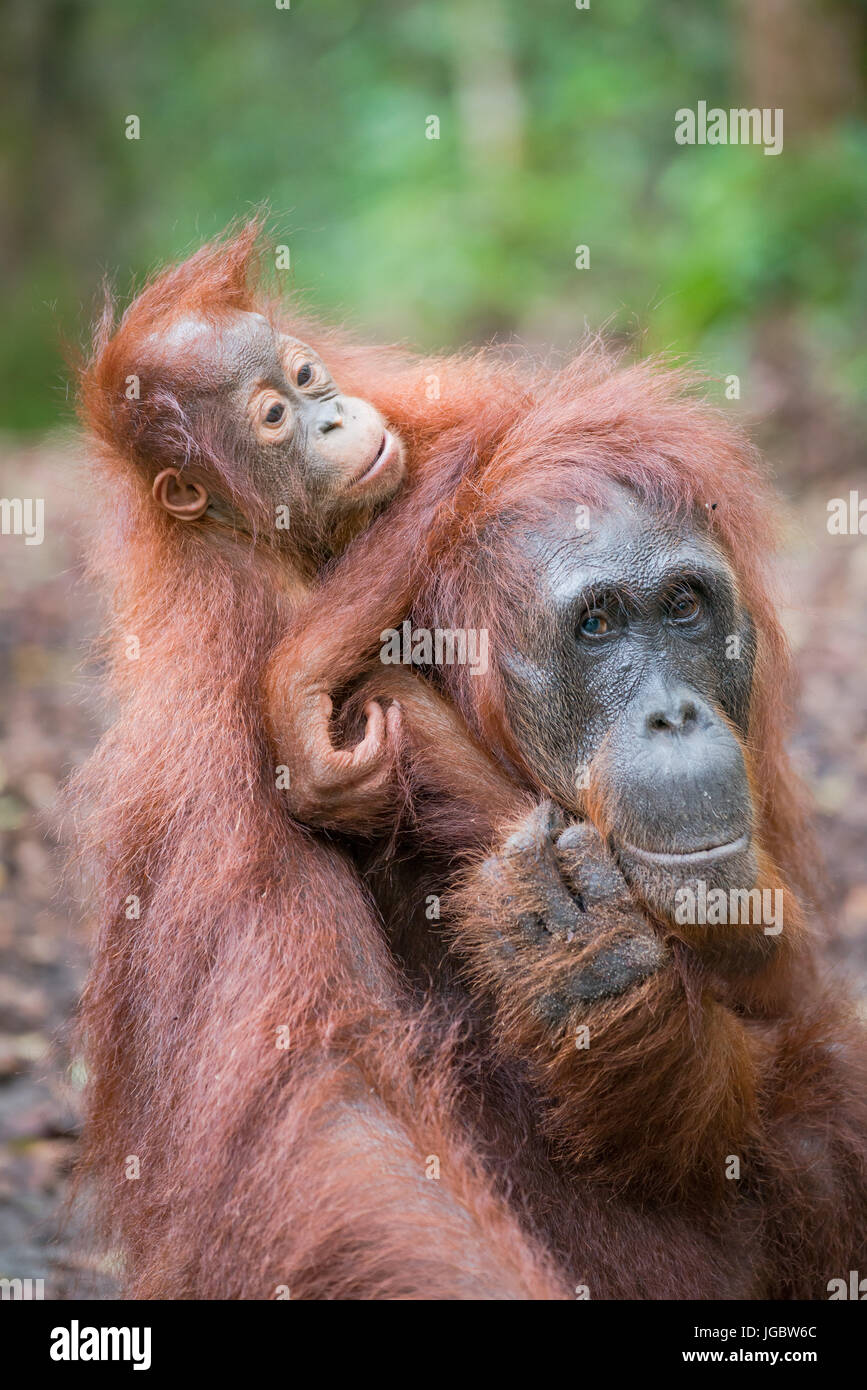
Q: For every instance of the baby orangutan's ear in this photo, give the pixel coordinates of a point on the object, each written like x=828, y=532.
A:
x=183, y=497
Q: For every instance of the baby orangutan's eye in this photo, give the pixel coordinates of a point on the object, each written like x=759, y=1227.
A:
x=307, y=372
x=272, y=418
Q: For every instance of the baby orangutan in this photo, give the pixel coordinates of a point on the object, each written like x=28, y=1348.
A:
x=252, y=438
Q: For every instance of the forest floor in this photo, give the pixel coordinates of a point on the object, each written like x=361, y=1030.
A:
x=49, y=720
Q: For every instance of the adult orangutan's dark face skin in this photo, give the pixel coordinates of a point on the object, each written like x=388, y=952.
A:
x=621, y=668
x=263, y=396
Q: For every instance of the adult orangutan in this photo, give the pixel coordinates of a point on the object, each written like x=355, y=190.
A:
x=696, y=1081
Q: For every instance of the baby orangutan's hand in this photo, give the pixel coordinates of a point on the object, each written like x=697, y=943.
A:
x=348, y=789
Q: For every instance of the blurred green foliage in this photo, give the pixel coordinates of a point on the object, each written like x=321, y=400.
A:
x=556, y=129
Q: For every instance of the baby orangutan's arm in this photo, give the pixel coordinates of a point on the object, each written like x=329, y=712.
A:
x=415, y=758
x=350, y=789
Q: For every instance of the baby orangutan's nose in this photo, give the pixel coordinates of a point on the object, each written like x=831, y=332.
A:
x=330, y=416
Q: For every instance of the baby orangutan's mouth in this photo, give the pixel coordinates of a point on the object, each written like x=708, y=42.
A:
x=379, y=460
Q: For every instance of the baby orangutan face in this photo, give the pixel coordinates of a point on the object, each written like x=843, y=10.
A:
x=268, y=400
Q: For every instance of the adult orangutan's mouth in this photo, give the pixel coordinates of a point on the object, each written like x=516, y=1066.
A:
x=379, y=460
x=694, y=856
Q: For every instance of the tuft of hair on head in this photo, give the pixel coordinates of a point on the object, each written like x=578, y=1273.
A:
x=218, y=278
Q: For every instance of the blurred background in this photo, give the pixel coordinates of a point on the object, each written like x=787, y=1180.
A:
x=556, y=130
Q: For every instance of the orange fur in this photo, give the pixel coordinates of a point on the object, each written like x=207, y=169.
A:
x=263, y=1166
x=688, y=1069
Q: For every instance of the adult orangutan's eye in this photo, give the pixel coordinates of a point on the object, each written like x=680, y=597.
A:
x=684, y=606
x=594, y=625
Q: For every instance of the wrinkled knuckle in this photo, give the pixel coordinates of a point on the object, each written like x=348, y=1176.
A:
x=580, y=836
x=602, y=883
x=520, y=842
